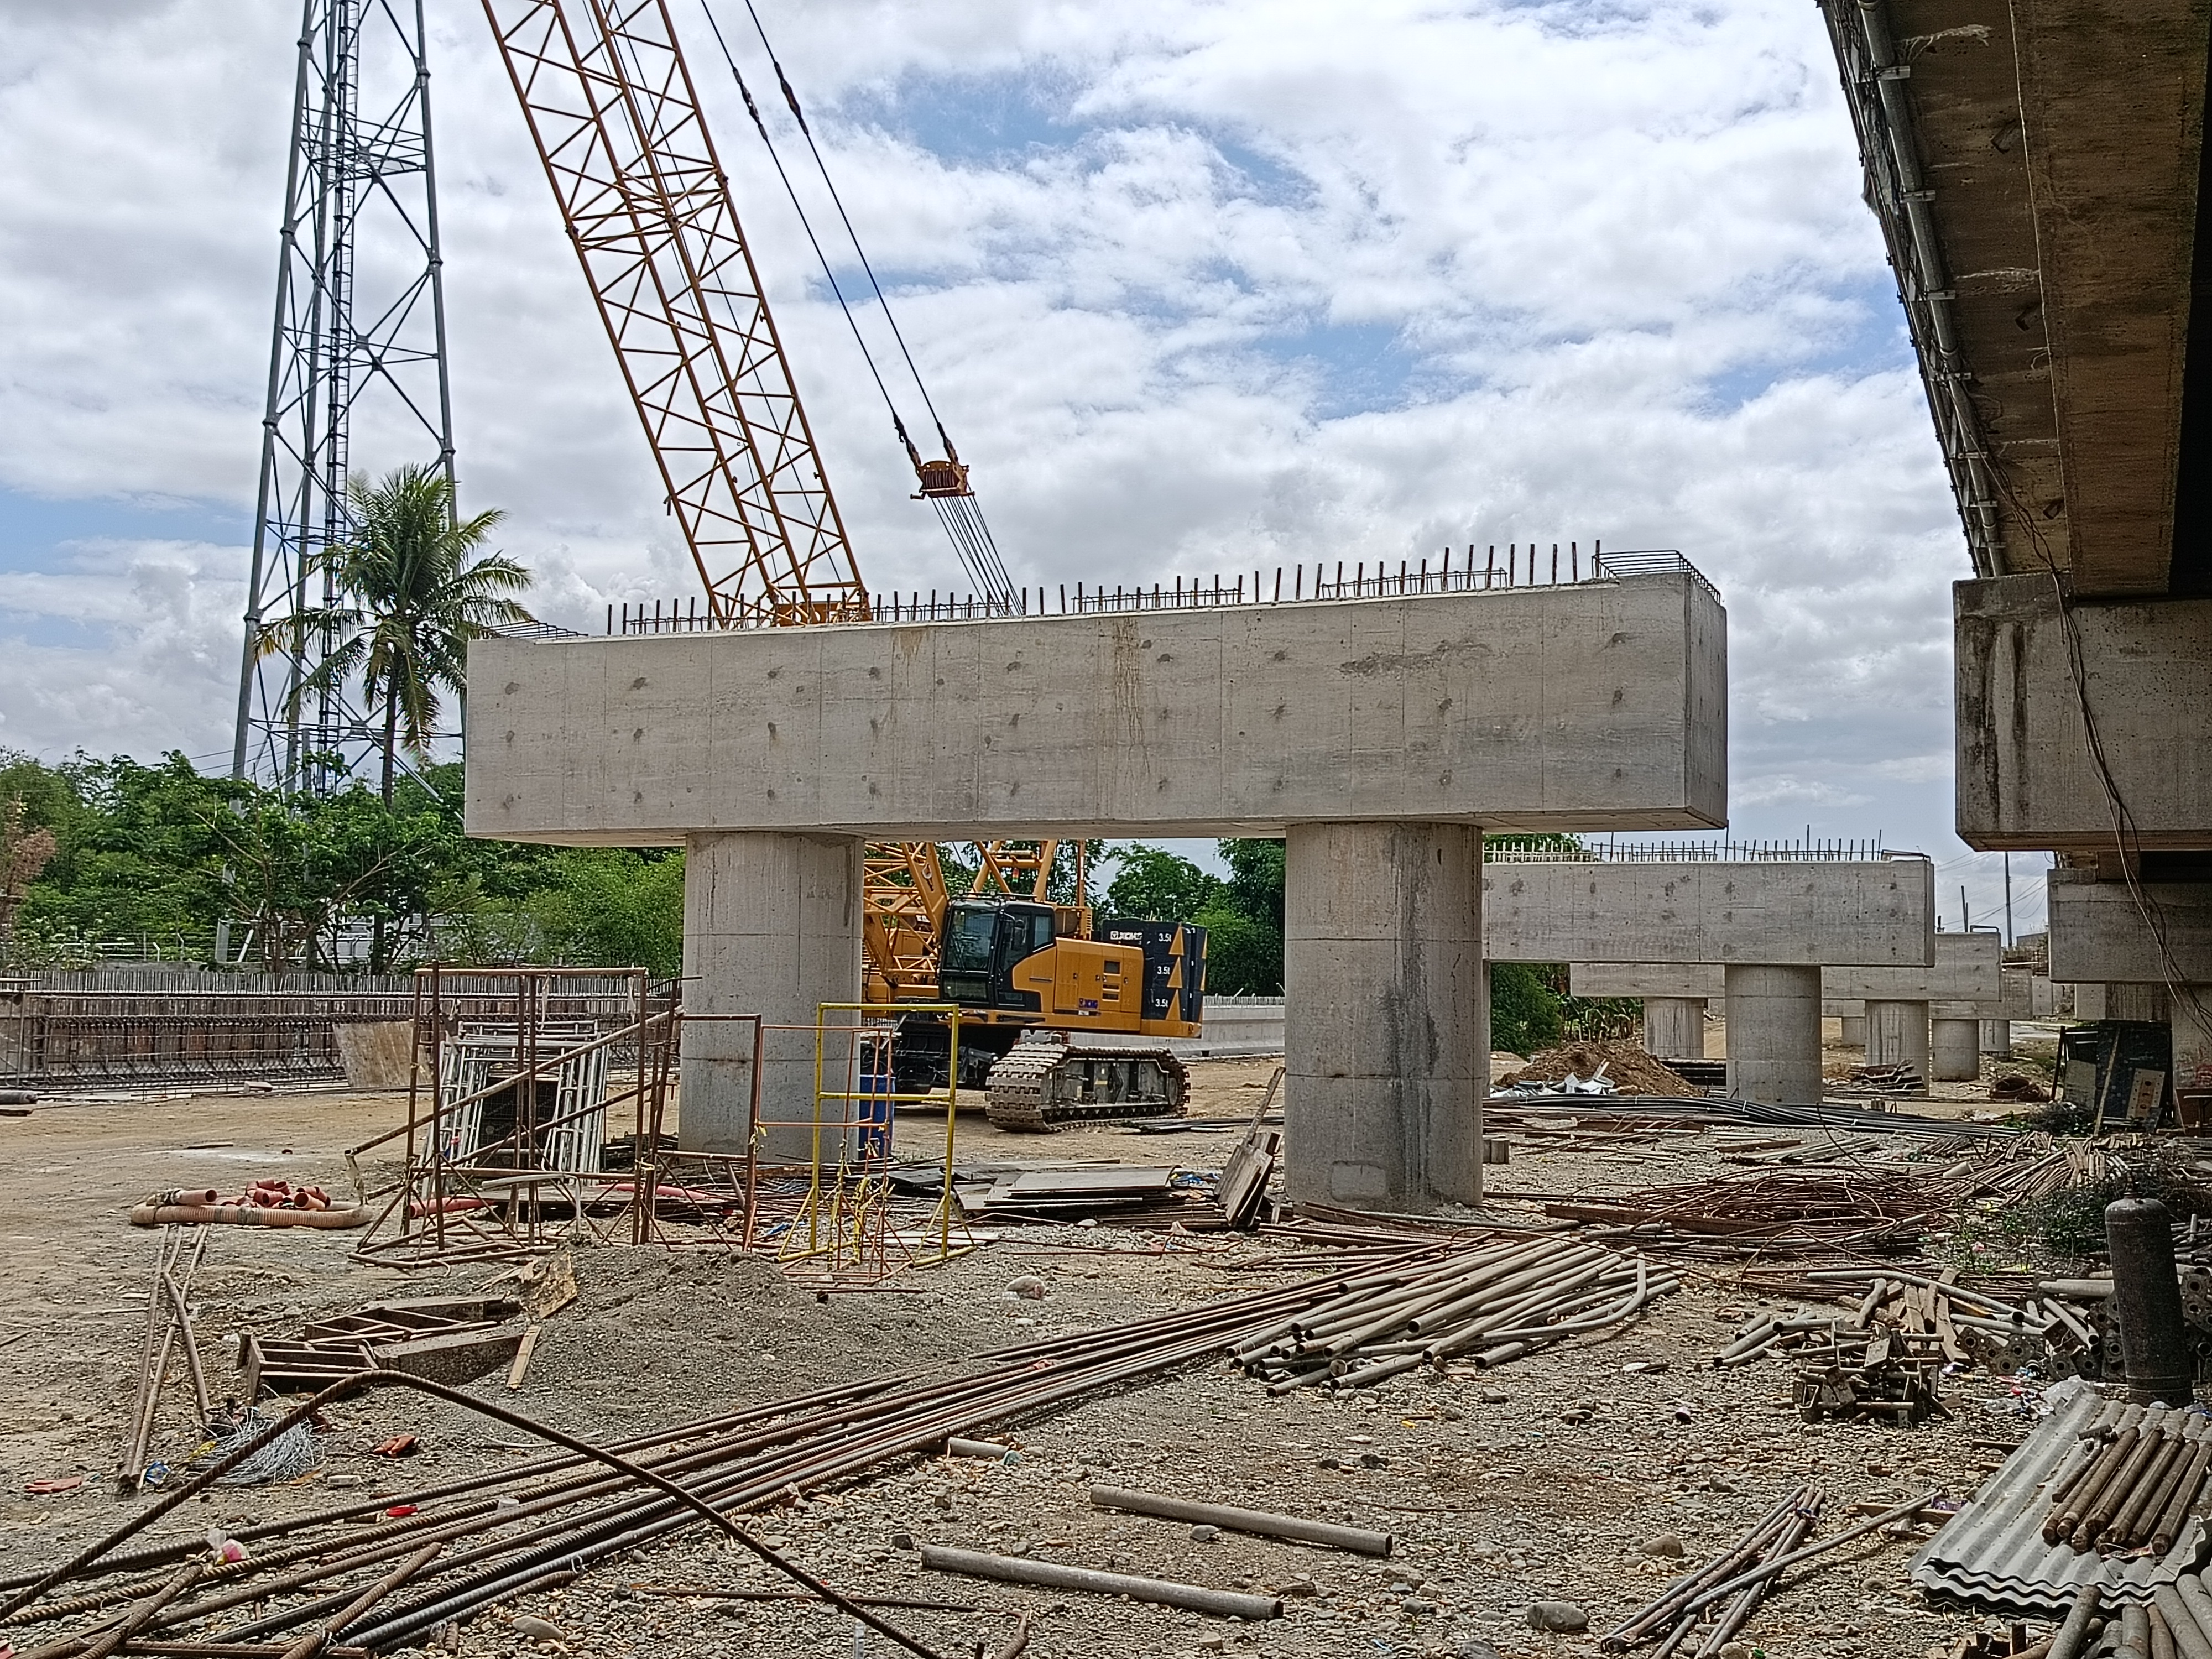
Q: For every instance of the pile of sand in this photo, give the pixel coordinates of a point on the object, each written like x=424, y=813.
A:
x=1627, y=1067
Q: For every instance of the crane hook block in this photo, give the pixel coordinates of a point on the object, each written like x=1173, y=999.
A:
x=942, y=478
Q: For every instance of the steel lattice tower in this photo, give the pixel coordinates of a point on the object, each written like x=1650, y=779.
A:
x=358, y=348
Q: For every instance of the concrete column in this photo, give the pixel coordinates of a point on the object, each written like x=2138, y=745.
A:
x=1955, y=1050
x=1774, y=1034
x=1385, y=1015
x=2140, y=1002
x=1897, y=1035
x=771, y=927
x=1997, y=1036
x=1675, y=1027
x=1855, y=1030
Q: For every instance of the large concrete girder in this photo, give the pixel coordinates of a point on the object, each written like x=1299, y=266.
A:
x=1600, y=704
x=2098, y=933
x=2027, y=776
x=1968, y=968
x=1778, y=913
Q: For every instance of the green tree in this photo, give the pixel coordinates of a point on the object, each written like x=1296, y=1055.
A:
x=1153, y=885
x=1243, y=922
x=299, y=868
x=1525, y=1012
x=611, y=907
x=414, y=590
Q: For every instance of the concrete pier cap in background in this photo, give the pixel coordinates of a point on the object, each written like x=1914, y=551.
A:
x=1760, y=934
x=1380, y=736
x=2101, y=936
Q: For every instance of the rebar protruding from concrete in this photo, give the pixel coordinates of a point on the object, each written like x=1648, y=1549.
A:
x=2147, y=1301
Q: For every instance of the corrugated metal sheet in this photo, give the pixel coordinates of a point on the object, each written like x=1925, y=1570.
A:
x=1992, y=1555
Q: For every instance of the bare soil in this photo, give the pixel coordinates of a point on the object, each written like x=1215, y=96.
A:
x=1500, y=1489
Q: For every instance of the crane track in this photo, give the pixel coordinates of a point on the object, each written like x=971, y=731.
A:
x=1033, y=1088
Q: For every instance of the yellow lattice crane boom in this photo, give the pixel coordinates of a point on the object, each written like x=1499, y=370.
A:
x=617, y=121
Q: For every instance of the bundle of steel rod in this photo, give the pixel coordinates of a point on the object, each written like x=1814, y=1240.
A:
x=177, y=1253
x=2131, y=1480
x=1773, y=1210
x=503, y=1533
x=1489, y=1304
x=1683, y=1610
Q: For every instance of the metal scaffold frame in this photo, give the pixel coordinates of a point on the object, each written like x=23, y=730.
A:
x=360, y=331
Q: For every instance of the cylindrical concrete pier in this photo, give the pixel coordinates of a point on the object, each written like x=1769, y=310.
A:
x=771, y=927
x=1675, y=1027
x=1774, y=1034
x=1385, y=1011
x=1997, y=1036
x=1854, y=1030
x=1897, y=1035
x=1955, y=1050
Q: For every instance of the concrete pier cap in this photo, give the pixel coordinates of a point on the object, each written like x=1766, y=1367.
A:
x=1379, y=736
x=1761, y=934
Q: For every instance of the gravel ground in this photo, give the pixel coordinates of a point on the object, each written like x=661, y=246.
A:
x=1540, y=1480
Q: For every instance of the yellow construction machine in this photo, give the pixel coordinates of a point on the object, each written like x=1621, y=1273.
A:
x=1036, y=981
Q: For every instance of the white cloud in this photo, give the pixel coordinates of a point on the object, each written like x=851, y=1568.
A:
x=1198, y=288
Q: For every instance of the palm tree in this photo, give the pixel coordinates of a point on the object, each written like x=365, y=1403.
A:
x=413, y=591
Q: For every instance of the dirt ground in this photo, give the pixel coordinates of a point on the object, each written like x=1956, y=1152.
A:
x=1542, y=1479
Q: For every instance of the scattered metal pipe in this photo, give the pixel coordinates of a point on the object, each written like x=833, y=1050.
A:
x=1163, y=1592
x=1360, y=1540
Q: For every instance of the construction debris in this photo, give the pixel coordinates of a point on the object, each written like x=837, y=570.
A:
x=1625, y=1065
x=446, y=1338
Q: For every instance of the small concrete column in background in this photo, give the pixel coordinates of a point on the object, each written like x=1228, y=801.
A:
x=1955, y=1050
x=1897, y=1035
x=1774, y=1034
x=1675, y=1027
x=771, y=927
x=1386, y=1013
x=1854, y=1030
x=1997, y=1036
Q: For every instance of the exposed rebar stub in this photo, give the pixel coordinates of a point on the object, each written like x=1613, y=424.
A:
x=2147, y=1302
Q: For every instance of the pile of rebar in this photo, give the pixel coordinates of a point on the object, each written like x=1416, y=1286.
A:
x=542, y=1521
x=1489, y=1305
x=2132, y=1480
x=1686, y=1608
x=1774, y=1210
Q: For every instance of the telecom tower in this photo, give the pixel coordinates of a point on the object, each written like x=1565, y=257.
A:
x=359, y=348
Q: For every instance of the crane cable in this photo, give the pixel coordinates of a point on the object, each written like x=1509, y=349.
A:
x=960, y=514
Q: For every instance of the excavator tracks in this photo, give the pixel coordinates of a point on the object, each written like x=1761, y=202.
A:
x=1043, y=1082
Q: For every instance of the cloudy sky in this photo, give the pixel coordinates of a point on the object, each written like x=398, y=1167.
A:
x=1197, y=287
